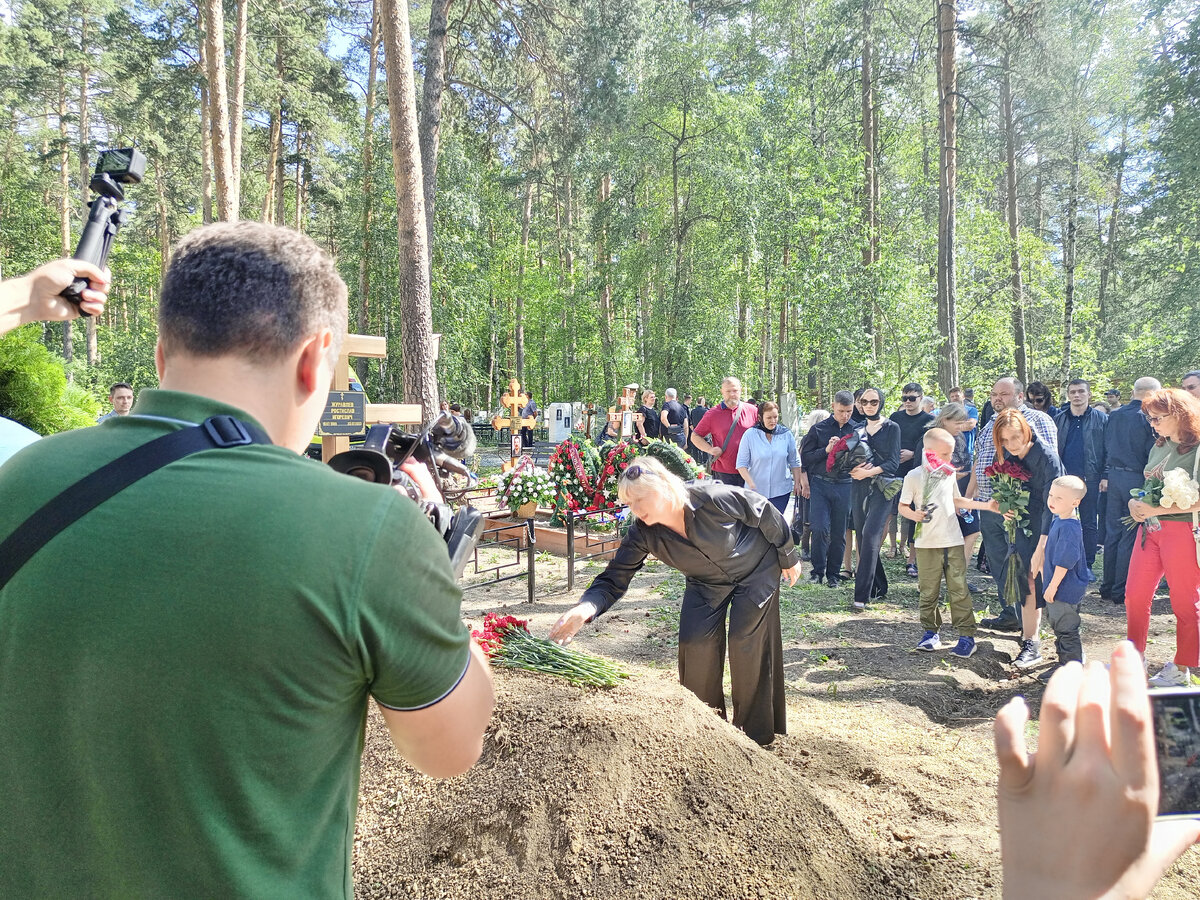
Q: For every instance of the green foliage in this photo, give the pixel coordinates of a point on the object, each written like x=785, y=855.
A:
x=34, y=389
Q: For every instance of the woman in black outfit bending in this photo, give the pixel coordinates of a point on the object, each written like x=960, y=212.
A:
x=869, y=507
x=733, y=546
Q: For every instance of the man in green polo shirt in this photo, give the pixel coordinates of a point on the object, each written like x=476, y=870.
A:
x=186, y=720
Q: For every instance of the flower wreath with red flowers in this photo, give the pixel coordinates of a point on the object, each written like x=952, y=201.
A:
x=604, y=496
x=574, y=465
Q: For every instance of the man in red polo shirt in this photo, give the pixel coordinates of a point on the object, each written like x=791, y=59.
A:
x=715, y=426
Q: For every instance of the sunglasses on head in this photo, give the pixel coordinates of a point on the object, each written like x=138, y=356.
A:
x=633, y=473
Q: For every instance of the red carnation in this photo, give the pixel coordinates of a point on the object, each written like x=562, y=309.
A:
x=831, y=457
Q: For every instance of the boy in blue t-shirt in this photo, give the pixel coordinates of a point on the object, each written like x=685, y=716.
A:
x=1065, y=570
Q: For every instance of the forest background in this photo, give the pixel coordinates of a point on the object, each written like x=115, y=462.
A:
x=809, y=194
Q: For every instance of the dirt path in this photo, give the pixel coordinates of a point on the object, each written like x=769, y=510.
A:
x=884, y=786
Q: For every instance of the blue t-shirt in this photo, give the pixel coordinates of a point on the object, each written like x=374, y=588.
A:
x=1064, y=547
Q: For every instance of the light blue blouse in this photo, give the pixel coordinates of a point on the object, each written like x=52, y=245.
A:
x=770, y=461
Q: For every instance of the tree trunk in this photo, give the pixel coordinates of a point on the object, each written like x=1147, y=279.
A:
x=218, y=113
x=519, y=312
x=206, y=161
x=1069, y=238
x=1010, y=214
x=1110, y=254
x=764, y=334
x=602, y=260
x=420, y=377
x=742, y=303
x=869, y=250
x=368, y=193
x=431, y=110
x=164, y=225
x=64, y=199
x=947, y=18
x=85, y=165
x=238, y=103
x=781, y=343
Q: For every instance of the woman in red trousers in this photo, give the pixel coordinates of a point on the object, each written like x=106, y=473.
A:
x=1171, y=547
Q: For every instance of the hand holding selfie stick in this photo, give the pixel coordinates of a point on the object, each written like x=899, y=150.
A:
x=1095, y=766
x=114, y=168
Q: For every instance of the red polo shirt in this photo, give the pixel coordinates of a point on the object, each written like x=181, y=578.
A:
x=715, y=425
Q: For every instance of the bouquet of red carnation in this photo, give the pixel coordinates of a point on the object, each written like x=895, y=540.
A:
x=849, y=452
x=1010, y=488
x=507, y=642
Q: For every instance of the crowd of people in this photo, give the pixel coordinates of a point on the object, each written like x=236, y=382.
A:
x=920, y=479
x=186, y=718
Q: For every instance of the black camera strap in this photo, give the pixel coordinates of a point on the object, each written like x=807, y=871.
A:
x=90, y=491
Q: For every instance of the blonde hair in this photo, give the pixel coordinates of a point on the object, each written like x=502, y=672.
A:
x=646, y=475
x=1072, y=483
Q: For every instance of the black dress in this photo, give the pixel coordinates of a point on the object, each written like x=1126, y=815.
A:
x=870, y=512
x=650, y=422
x=736, y=546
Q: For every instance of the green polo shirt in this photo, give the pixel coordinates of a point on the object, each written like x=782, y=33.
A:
x=184, y=671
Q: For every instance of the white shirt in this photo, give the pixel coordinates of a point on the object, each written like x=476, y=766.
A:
x=942, y=529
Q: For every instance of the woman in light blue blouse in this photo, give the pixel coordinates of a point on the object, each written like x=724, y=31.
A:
x=767, y=458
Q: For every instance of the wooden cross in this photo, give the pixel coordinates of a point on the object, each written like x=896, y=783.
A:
x=511, y=401
x=625, y=416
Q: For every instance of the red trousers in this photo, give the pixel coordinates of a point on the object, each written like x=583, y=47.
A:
x=1170, y=551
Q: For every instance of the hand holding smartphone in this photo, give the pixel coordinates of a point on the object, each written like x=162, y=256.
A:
x=1176, y=713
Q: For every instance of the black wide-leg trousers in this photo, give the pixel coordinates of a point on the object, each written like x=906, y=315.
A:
x=755, y=643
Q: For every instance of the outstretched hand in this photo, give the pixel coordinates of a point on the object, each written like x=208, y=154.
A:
x=1095, y=763
x=570, y=622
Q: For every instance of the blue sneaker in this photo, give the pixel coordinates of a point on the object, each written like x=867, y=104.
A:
x=964, y=648
x=930, y=642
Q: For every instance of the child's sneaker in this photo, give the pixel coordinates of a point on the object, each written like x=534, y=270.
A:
x=964, y=648
x=1030, y=655
x=1171, y=675
x=930, y=642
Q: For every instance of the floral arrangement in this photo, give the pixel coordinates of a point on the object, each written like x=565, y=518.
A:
x=1010, y=488
x=526, y=484
x=849, y=452
x=507, y=642
x=604, y=494
x=675, y=459
x=1151, y=494
x=574, y=465
x=1179, y=490
x=937, y=470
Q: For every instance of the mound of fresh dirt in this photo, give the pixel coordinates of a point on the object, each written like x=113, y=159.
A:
x=640, y=791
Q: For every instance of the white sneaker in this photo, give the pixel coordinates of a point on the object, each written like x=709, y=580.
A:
x=1171, y=675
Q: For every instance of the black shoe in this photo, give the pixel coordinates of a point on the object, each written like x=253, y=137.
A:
x=1002, y=622
x=806, y=556
x=1117, y=601
x=833, y=581
x=814, y=578
x=1030, y=655
x=1105, y=595
x=974, y=589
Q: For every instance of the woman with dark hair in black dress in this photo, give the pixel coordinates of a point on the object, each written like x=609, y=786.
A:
x=870, y=505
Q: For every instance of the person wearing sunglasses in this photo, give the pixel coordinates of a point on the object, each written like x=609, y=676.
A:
x=1037, y=395
x=1170, y=548
x=912, y=421
x=733, y=546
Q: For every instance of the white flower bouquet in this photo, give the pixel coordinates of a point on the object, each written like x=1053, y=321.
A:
x=525, y=487
x=1179, y=490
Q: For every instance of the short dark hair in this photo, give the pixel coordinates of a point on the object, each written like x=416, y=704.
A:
x=1112, y=392
x=953, y=389
x=120, y=384
x=913, y=386
x=843, y=398
x=249, y=288
x=1083, y=381
x=1195, y=373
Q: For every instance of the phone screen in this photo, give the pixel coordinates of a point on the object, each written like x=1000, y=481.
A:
x=1177, y=742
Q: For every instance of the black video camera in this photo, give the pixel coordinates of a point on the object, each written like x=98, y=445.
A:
x=114, y=169
x=439, y=446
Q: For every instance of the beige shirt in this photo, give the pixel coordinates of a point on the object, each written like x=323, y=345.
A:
x=942, y=530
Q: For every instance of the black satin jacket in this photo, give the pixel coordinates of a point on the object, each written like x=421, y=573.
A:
x=735, y=538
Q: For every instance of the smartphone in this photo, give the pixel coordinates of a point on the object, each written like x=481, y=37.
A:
x=1176, y=713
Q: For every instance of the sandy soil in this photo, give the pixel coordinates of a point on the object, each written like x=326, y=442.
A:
x=883, y=788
